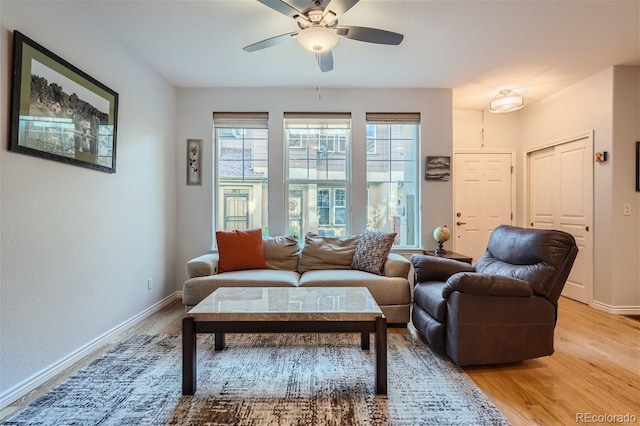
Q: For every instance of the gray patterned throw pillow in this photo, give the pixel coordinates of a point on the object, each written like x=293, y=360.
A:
x=372, y=251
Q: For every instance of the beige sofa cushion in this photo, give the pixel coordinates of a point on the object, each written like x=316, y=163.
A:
x=196, y=289
x=281, y=252
x=203, y=266
x=397, y=266
x=385, y=290
x=327, y=252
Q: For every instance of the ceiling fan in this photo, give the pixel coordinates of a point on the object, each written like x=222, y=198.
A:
x=319, y=31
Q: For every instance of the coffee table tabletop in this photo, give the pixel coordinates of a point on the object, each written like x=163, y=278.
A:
x=287, y=304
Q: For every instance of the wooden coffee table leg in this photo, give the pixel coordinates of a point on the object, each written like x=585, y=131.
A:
x=365, y=340
x=381, y=355
x=188, y=357
x=219, y=341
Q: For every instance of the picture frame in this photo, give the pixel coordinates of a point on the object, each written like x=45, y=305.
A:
x=58, y=112
x=437, y=168
x=194, y=161
x=637, y=166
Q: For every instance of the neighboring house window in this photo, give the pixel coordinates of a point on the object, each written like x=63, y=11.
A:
x=324, y=206
x=340, y=206
x=371, y=139
x=317, y=172
x=295, y=213
x=392, y=175
x=332, y=207
x=241, y=171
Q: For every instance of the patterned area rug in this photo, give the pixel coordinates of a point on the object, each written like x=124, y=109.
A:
x=265, y=379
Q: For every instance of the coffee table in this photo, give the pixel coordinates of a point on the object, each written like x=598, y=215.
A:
x=285, y=310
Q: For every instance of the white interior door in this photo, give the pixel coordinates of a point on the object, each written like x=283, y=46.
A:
x=483, y=199
x=561, y=197
x=541, y=180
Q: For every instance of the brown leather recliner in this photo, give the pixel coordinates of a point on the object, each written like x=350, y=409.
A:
x=502, y=310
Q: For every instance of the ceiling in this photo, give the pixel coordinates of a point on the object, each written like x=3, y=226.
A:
x=474, y=47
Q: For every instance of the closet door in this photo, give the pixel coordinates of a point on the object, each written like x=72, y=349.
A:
x=560, y=196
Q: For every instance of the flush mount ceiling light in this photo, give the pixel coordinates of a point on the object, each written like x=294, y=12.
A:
x=506, y=101
x=318, y=39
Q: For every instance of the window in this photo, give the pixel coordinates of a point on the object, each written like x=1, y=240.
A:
x=315, y=188
x=317, y=172
x=241, y=171
x=392, y=175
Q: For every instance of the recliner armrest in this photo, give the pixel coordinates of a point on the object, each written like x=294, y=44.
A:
x=433, y=268
x=203, y=266
x=487, y=285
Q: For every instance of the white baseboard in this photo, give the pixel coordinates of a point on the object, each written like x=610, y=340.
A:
x=26, y=386
x=616, y=310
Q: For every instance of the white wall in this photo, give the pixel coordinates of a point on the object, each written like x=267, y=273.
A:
x=195, y=108
x=77, y=245
x=626, y=131
x=483, y=130
x=594, y=105
x=582, y=108
x=608, y=104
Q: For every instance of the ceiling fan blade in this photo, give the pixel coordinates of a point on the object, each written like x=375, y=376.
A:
x=282, y=7
x=340, y=6
x=371, y=35
x=325, y=61
x=270, y=42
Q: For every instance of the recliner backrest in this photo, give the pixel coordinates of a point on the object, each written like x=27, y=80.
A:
x=541, y=257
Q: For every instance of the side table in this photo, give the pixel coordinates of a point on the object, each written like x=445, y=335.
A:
x=450, y=255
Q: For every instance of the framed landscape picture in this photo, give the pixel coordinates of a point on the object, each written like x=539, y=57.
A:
x=437, y=168
x=59, y=112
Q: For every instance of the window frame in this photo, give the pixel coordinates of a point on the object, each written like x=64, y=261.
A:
x=285, y=187
x=411, y=221
x=333, y=131
x=228, y=126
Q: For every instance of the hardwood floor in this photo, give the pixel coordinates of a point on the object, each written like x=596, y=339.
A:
x=595, y=369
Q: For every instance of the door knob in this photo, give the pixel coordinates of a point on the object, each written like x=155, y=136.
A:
x=460, y=223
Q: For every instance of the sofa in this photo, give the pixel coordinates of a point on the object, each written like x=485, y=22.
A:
x=350, y=261
x=503, y=309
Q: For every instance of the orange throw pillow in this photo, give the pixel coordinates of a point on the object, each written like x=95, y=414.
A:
x=239, y=250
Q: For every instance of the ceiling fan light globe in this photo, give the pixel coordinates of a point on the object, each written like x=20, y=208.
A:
x=317, y=39
x=506, y=101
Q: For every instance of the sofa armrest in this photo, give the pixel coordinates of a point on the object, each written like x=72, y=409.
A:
x=486, y=285
x=433, y=268
x=397, y=265
x=203, y=266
